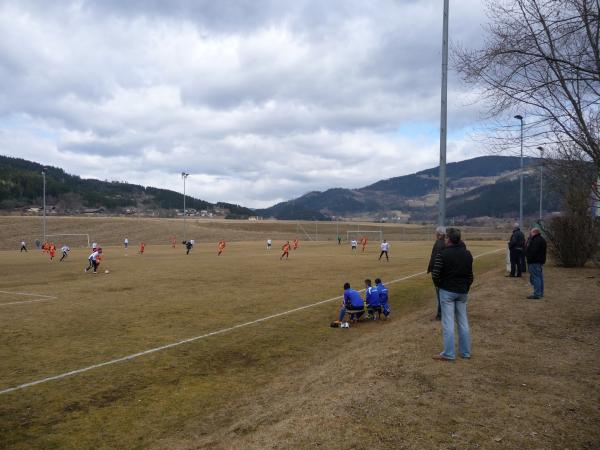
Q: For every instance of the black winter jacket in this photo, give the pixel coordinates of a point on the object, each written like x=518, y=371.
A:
x=439, y=245
x=536, y=250
x=453, y=269
x=517, y=240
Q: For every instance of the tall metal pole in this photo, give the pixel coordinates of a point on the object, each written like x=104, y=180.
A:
x=541, y=149
x=520, y=118
x=443, y=121
x=44, y=204
x=184, y=176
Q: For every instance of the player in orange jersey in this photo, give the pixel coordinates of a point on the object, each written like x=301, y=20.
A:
x=142, y=248
x=220, y=247
x=52, y=250
x=363, y=242
x=295, y=244
x=286, y=250
x=173, y=241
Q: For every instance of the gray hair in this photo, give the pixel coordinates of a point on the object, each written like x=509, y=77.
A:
x=440, y=230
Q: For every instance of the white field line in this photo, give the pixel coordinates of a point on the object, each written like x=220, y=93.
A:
x=196, y=338
x=43, y=298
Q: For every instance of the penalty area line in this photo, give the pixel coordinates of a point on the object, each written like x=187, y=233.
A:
x=197, y=338
x=43, y=298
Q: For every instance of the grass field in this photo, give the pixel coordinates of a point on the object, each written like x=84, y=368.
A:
x=164, y=297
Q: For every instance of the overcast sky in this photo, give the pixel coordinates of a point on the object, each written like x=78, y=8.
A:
x=260, y=101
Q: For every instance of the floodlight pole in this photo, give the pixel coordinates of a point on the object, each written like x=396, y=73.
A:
x=44, y=204
x=184, y=176
x=541, y=149
x=520, y=118
x=443, y=121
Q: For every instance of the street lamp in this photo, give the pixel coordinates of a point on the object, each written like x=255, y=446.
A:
x=184, y=176
x=541, y=149
x=520, y=118
x=44, y=204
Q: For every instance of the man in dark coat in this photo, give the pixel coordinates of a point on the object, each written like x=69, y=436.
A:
x=438, y=246
x=452, y=274
x=536, y=258
x=515, y=247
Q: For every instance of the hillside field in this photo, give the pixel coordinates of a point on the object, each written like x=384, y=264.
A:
x=112, y=230
x=160, y=298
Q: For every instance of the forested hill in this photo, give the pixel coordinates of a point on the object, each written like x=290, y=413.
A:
x=21, y=186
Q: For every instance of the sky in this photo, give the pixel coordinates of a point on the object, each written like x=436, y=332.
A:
x=259, y=101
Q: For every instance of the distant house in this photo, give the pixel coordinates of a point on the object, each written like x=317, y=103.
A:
x=254, y=218
x=93, y=211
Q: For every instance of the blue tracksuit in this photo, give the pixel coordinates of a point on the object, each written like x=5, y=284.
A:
x=372, y=297
x=383, y=298
x=352, y=301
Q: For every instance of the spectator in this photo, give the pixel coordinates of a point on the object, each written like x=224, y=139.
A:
x=383, y=297
x=516, y=244
x=452, y=273
x=438, y=246
x=536, y=258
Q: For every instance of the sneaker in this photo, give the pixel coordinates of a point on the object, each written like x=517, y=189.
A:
x=533, y=297
x=442, y=358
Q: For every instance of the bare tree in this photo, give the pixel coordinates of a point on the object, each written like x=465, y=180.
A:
x=541, y=58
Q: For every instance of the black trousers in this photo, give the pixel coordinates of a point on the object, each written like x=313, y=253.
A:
x=386, y=254
x=515, y=262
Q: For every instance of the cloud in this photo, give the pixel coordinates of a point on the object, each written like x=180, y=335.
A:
x=259, y=101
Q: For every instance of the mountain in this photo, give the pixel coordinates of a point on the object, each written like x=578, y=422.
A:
x=21, y=186
x=483, y=186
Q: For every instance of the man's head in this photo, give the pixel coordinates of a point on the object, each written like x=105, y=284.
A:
x=516, y=226
x=346, y=285
x=377, y=280
x=440, y=232
x=368, y=282
x=452, y=236
x=535, y=231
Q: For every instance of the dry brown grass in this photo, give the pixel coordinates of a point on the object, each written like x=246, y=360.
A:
x=158, y=298
x=290, y=382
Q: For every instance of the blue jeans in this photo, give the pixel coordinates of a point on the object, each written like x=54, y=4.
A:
x=454, y=304
x=352, y=315
x=536, y=278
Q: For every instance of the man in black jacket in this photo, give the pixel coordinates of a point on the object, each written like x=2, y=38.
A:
x=536, y=258
x=452, y=274
x=438, y=246
x=515, y=247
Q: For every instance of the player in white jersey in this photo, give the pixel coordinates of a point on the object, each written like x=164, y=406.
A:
x=269, y=244
x=385, y=246
x=93, y=260
x=354, y=244
x=23, y=246
x=65, y=252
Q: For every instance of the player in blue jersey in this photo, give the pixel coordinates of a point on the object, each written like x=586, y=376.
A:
x=383, y=297
x=353, y=304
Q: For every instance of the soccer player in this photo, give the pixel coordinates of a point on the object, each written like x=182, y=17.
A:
x=363, y=242
x=93, y=260
x=339, y=238
x=142, y=248
x=126, y=243
x=94, y=246
x=65, y=251
x=353, y=243
x=188, y=245
x=23, y=246
x=372, y=300
x=295, y=243
x=383, y=297
x=52, y=250
x=352, y=302
x=385, y=245
x=173, y=241
x=269, y=244
x=221, y=247
x=286, y=250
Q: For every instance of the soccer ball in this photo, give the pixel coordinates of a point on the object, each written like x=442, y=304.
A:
x=106, y=271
